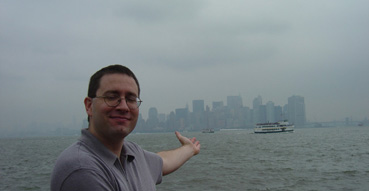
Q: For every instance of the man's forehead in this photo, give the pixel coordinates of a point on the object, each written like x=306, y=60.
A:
x=115, y=82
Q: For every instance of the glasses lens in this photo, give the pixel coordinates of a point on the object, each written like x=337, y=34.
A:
x=133, y=103
x=112, y=101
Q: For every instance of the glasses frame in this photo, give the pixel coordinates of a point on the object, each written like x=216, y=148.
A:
x=138, y=100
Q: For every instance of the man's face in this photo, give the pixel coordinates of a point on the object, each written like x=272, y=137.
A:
x=113, y=122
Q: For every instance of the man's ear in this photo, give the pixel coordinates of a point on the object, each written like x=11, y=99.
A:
x=88, y=106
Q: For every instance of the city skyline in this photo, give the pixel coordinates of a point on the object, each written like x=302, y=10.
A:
x=234, y=115
x=240, y=116
x=257, y=99
x=209, y=103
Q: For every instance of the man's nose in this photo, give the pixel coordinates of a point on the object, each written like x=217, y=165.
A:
x=123, y=104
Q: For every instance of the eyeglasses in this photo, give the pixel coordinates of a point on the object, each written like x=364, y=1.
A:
x=114, y=101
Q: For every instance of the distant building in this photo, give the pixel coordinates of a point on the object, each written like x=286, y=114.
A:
x=162, y=117
x=296, y=110
x=270, y=112
x=198, y=120
x=153, y=121
x=278, y=113
x=217, y=105
x=257, y=102
x=247, y=117
x=198, y=106
x=153, y=113
x=140, y=126
x=182, y=118
x=285, y=112
x=171, y=122
x=234, y=102
x=262, y=114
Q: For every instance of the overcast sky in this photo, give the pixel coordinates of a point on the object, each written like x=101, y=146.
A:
x=184, y=50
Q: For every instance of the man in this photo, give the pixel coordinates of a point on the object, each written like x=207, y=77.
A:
x=101, y=159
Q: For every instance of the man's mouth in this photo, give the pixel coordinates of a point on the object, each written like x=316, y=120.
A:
x=117, y=117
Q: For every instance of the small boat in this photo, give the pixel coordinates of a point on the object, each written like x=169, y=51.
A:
x=208, y=131
x=277, y=127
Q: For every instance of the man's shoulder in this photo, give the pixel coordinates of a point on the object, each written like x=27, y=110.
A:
x=80, y=158
x=73, y=157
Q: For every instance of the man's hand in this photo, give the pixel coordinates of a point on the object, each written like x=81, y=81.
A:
x=195, y=144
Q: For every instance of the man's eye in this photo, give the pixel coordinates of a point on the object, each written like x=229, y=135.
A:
x=131, y=99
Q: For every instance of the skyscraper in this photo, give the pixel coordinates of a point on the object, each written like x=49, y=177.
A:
x=182, y=118
x=217, y=105
x=270, y=112
x=152, y=121
x=296, y=110
x=198, y=115
x=234, y=102
x=198, y=106
x=278, y=114
x=256, y=104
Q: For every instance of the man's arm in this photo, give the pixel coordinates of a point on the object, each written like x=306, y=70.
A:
x=174, y=159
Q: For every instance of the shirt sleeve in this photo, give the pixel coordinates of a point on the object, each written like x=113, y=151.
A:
x=86, y=180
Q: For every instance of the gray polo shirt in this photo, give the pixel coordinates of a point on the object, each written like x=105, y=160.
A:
x=89, y=165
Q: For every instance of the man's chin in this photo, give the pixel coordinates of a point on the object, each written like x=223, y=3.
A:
x=122, y=130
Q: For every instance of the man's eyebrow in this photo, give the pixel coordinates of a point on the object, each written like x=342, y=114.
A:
x=117, y=93
x=131, y=94
x=111, y=92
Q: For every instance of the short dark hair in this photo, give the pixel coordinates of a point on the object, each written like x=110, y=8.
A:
x=112, y=69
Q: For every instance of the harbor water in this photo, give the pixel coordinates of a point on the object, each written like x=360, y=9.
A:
x=335, y=158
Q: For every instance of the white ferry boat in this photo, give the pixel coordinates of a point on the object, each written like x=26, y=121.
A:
x=277, y=127
x=208, y=131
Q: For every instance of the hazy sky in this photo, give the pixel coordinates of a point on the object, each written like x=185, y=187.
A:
x=184, y=50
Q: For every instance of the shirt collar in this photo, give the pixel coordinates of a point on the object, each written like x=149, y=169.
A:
x=100, y=149
x=127, y=152
x=97, y=147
